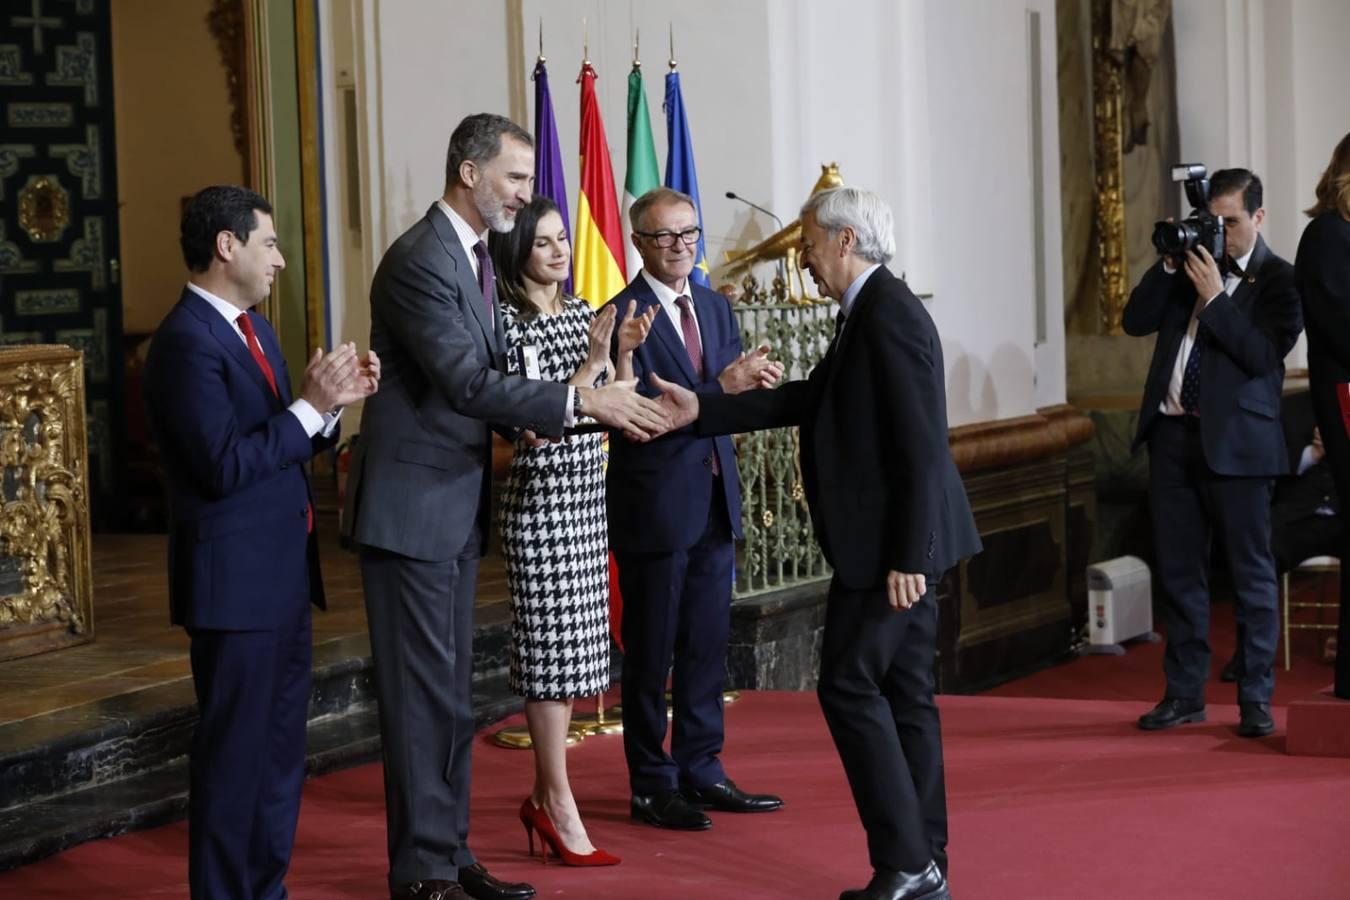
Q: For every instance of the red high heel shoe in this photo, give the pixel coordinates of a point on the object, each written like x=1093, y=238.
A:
x=535, y=819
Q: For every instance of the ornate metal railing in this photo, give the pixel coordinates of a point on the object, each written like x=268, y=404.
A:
x=780, y=548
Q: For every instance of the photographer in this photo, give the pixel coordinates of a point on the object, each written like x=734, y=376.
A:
x=1211, y=419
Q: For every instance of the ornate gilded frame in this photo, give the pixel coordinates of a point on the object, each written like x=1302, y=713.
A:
x=1108, y=95
x=44, y=500
x=245, y=41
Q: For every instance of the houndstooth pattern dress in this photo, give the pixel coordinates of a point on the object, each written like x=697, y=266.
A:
x=554, y=533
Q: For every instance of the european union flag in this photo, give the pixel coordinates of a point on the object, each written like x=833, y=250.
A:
x=680, y=174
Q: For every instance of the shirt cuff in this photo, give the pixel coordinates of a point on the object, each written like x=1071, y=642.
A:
x=1168, y=267
x=1305, y=462
x=569, y=417
x=312, y=420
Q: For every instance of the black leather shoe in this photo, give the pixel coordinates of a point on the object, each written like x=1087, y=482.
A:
x=726, y=797
x=1172, y=712
x=429, y=890
x=667, y=809
x=479, y=884
x=1229, y=671
x=1255, y=720
x=926, y=885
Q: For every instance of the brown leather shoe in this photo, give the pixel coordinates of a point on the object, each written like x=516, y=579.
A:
x=429, y=890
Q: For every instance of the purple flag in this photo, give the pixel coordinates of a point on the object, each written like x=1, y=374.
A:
x=548, y=167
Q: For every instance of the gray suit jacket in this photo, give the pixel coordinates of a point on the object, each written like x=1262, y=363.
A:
x=421, y=471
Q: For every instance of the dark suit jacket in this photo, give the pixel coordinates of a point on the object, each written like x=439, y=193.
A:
x=421, y=469
x=658, y=493
x=1242, y=370
x=1323, y=276
x=239, y=549
x=1298, y=496
x=883, y=489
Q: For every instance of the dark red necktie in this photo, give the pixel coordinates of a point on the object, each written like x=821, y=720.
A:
x=251, y=337
x=487, y=277
x=694, y=348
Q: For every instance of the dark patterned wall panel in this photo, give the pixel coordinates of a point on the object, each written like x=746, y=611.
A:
x=58, y=209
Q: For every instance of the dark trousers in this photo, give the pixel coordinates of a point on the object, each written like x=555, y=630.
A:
x=876, y=690
x=1337, y=443
x=676, y=612
x=248, y=758
x=421, y=637
x=1190, y=504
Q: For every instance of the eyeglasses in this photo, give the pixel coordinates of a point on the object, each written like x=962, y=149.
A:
x=666, y=239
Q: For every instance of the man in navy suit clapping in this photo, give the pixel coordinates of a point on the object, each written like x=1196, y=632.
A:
x=243, y=560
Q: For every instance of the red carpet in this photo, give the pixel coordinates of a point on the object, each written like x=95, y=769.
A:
x=1050, y=799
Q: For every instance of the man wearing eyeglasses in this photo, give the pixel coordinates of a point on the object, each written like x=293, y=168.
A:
x=674, y=510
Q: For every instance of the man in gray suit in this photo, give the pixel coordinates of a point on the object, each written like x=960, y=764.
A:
x=418, y=501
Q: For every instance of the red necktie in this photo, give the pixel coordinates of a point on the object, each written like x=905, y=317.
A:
x=694, y=348
x=251, y=337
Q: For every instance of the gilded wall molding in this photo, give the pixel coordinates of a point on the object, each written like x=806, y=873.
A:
x=44, y=498
x=1108, y=121
x=226, y=24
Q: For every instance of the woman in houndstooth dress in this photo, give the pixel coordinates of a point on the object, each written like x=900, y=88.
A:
x=554, y=534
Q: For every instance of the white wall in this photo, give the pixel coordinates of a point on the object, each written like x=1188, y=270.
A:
x=1280, y=105
x=898, y=92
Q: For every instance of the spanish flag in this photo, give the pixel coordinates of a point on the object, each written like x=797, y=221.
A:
x=598, y=257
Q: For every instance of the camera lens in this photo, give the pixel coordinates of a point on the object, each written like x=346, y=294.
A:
x=1173, y=238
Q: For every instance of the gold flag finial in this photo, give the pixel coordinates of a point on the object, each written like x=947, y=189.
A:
x=673, y=63
x=585, y=43
x=541, y=40
x=637, y=41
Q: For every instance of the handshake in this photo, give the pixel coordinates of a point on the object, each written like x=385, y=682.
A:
x=642, y=419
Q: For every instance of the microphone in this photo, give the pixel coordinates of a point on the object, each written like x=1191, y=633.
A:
x=732, y=195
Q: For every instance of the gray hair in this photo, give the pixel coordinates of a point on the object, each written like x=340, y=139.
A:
x=478, y=139
x=866, y=213
x=658, y=196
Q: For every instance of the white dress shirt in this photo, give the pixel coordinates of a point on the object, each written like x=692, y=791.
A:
x=1171, y=404
x=667, y=297
x=468, y=238
x=310, y=418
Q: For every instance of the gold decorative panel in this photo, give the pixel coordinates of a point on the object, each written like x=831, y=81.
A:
x=46, y=597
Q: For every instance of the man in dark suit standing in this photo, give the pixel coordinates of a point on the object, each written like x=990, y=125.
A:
x=419, y=491
x=674, y=508
x=1211, y=419
x=891, y=515
x=243, y=561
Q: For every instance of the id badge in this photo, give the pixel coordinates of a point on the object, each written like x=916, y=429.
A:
x=527, y=361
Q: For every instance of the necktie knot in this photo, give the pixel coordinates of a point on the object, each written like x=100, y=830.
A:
x=1232, y=269
x=245, y=325
x=683, y=303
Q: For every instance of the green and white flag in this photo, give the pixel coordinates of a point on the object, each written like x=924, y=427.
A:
x=643, y=173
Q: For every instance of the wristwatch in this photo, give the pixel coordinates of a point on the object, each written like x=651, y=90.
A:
x=576, y=404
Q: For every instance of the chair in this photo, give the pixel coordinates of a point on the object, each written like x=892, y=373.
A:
x=1314, y=565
